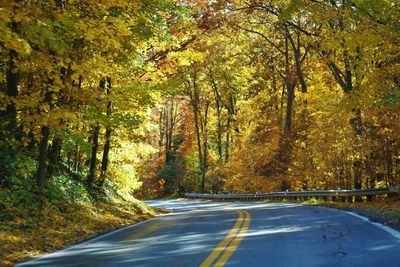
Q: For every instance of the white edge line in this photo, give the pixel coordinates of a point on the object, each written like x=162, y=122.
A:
x=388, y=229
x=385, y=228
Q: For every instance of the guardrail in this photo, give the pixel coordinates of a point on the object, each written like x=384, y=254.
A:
x=300, y=194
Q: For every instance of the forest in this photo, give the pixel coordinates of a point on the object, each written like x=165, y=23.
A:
x=99, y=99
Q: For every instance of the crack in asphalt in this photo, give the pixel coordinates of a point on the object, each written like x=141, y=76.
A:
x=336, y=237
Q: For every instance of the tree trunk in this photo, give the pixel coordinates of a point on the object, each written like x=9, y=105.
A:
x=69, y=160
x=168, y=118
x=12, y=91
x=161, y=131
x=345, y=80
x=41, y=171
x=290, y=87
x=217, y=99
x=200, y=154
x=297, y=58
x=170, y=131
x=219, y=134
x=205, y=147
x=106, y=152
x=289, y=109
x=107, y=144
x=54, y=156
x=389, y=162
x=77, y=159
x=8, y=121
x=195, y=102
x=45, y=131
x=227, y=140
x=93, y=159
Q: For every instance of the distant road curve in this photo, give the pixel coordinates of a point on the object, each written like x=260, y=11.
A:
x=204, y=234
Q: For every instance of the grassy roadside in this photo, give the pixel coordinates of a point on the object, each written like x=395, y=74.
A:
x=29, y=233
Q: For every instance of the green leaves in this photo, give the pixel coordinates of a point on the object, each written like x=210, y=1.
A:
x=391, y=100
x=45, y=36
x=293, y=7
x=73, y=140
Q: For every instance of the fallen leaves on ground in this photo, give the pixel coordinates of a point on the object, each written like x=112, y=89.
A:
x=26, y=235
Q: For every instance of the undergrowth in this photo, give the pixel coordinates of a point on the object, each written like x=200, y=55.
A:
x=67, y=212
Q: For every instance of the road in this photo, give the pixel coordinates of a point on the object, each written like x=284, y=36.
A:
x=238, y=234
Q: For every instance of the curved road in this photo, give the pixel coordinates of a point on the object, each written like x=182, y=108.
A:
x=238, y=234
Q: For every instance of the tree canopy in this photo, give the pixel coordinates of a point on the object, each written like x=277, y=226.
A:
x=212, y=96
x=104, y=101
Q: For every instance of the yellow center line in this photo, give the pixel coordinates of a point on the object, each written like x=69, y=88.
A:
x=235, y=242
x=231, y=242
x=225, y=242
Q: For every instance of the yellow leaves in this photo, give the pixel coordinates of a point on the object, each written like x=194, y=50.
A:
x=12, y=40
x=101, y=5
x=32, y=236
x=10, y=240
x=8, y=36
x=6, y=237
x=385, y=130
x=187, y=57
x=303, y=145
x=381, y=184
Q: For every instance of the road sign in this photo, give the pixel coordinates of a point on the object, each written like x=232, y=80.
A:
x=162, y=183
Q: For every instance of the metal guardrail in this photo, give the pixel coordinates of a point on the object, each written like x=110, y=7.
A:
x=316, y=193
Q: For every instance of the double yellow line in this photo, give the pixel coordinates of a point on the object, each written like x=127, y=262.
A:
x=224, y=250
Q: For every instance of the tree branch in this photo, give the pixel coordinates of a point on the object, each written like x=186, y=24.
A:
x=263, y=36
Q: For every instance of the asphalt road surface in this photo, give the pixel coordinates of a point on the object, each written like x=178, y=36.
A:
x=238, y=234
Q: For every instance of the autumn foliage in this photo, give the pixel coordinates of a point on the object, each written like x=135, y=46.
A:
x=99, y=100
x=290, y=95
